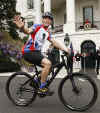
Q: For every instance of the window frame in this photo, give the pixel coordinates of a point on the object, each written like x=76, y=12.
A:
x=84, y=18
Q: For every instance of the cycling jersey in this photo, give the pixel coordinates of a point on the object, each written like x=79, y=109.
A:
x=37, y=39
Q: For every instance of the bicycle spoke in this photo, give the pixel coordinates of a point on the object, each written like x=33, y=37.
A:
x=28, y=90
x=80, y=97
x=19, y=89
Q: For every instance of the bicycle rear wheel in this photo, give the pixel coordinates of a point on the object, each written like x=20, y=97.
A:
x=18, y=89
x=81, y=99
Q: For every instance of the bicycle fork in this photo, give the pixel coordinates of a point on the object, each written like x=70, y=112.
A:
x=74, y=87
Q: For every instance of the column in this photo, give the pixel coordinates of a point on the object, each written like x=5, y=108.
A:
x=37, y=7
x=98, y=9
x=23, y=7
x=47, y=5
x=70, y=13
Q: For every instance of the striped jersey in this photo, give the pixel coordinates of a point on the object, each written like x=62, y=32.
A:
x=37, y=38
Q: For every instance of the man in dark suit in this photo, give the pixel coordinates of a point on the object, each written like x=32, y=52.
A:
x=98, y=60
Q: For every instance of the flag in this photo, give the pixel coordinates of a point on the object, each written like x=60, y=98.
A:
x=71, y=48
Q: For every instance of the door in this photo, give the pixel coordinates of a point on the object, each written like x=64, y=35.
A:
x=89, y=48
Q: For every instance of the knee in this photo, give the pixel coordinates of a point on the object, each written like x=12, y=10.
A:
x=46, y=63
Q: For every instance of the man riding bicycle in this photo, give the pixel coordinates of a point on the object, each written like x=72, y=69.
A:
x=32, y=49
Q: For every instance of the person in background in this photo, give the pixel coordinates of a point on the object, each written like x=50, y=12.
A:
x=98, y=60
x=78, y=57
x=69, y=44
x=53, y=54
x=71, y=57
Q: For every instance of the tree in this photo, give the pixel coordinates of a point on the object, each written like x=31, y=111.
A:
x=7, y=12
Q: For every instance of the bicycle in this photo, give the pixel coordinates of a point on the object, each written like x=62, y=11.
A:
x=75, y=84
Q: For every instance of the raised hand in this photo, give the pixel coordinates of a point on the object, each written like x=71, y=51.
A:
x=18, y=21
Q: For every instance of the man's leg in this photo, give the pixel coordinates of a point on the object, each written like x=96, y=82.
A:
x=46, y=68
x=45, y=71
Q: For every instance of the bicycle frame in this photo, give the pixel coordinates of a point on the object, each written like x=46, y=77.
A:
x=54, y=72
x=58, y=67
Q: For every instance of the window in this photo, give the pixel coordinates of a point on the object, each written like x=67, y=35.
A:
x=88, y=14
x=30, y=4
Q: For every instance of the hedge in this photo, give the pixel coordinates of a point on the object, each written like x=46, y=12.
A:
x=6, y=65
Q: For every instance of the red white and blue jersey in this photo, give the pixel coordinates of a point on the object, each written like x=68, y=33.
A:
x=37, y=38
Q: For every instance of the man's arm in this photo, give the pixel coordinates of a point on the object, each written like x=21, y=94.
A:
x=59, y=45
x=21, y=25
x=27, y=30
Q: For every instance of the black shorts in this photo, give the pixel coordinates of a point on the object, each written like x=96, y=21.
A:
x=34, y=57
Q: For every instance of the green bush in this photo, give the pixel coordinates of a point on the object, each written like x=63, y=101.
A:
x=9, y=67
x=6, y=65
x=9, y=62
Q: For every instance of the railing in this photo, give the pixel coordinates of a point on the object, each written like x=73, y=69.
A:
x=57, y=29
x=95, y=25
x=79, y=26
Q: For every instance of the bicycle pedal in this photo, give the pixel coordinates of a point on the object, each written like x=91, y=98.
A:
x=50, y=93
x=45, y=94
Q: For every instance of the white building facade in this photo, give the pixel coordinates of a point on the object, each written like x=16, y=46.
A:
x=70, y=16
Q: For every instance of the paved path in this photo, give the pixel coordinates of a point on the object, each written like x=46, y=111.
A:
x=61, y=74
x=45, y=105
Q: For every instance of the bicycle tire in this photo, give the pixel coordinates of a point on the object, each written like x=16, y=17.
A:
x=9, y=93
x=83, y=78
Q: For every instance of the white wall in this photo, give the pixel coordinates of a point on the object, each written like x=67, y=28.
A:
x=59, y=15
x=79, y=37
x=83, y=3
x=21, y=7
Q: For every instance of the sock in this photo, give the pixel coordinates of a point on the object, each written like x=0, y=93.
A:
x=43, y=85
x=36, y=80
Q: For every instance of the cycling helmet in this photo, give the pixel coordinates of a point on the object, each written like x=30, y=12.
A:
x=48, y=14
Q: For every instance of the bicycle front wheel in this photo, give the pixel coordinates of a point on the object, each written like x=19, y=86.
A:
x=18, y=89
x=79, y=96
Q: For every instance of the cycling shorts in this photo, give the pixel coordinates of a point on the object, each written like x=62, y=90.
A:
x=34, y=57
